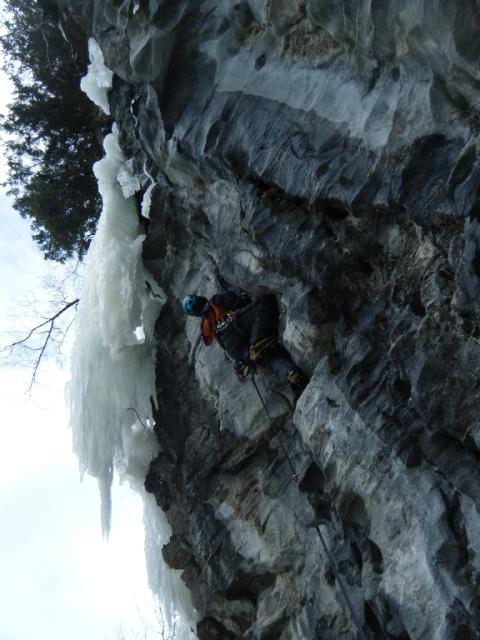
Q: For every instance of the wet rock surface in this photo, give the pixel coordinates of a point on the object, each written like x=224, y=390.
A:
x=326, y=152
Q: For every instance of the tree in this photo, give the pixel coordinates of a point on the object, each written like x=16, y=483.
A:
x=47, y=320
x=54, y=131
x=40, y=338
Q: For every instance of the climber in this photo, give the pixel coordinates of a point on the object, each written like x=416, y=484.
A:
x=247, y=332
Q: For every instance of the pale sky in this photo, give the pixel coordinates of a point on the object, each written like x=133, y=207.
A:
x=58, y=578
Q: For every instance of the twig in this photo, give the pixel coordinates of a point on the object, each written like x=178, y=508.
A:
x=50, y=320
x=47, y=338
x=139, y=419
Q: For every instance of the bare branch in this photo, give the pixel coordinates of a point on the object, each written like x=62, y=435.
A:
x=138, y=417
x=48, y=321
x=46, y=336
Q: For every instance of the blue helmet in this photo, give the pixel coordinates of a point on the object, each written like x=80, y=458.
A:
x=188, y=304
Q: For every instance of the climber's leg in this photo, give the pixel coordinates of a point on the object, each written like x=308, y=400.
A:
x=284, y=368
x=265, y=323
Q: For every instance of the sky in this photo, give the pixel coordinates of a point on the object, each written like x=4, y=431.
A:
x=59, y=579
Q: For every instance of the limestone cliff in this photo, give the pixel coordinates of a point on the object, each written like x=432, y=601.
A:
x=327, y=152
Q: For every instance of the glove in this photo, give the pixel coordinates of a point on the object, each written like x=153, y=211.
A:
x=243, y=370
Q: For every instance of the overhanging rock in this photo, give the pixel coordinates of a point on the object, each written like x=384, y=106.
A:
x=326, y=152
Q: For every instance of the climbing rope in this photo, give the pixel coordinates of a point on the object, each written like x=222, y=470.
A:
x=327, y=551
x=274, y=427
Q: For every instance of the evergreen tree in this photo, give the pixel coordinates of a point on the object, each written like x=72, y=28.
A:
x=54, y=131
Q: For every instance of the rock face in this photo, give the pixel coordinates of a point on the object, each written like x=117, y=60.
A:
x=327, y=152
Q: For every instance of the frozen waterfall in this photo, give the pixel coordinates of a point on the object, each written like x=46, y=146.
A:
x=112, y=384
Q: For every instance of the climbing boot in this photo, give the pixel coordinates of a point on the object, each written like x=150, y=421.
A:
x=297, y=381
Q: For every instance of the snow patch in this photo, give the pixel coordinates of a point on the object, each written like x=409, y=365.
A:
x=147, y=196
x=98, y=80
x=147, y=200
x=178, y=612
x=127, y=179
x=130, y=184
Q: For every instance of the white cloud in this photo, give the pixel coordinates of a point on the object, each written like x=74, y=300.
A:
x=41, y=593
x=34, y=431
x=59, y=577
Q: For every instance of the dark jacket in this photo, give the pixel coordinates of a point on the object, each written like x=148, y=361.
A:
x=236, y=322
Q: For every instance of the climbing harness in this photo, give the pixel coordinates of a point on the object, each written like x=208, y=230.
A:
x=259, y=347
x=225, y=322
x=230, y=319
x=326, y=550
